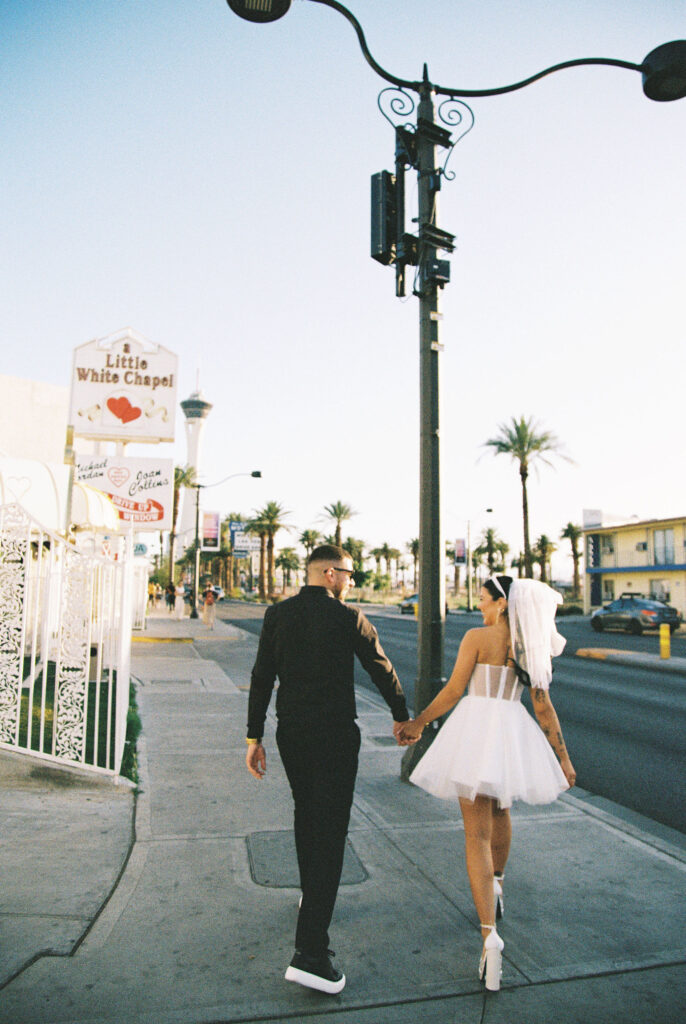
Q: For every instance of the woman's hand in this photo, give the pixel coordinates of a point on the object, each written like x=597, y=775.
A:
x=409, y=732
x=568, y=770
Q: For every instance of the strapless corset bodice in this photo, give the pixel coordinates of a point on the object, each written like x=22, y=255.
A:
x=498, y=682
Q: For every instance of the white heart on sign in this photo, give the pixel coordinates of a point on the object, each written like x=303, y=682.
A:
x=118, y=475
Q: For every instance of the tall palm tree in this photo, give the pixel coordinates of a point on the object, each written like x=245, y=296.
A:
x=494, y=549
x=394, y=555
x=377, y=555
x=526, y=444
x=309, y=540
x=339, y=512
x=413, y=548
x=572, y=533
x=542, y=554
x=184, y=476
x=271, y=517
x=287, y=560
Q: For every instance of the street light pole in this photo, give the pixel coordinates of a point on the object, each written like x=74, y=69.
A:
x=664, y=79
x=431, y=617
x=196, y=567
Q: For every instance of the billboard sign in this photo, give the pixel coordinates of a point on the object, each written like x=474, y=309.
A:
x=142, y=490
x=123, y=389
x=460, y=551
x=210, y=531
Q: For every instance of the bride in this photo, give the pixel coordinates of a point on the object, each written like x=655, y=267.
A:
x=490, y=751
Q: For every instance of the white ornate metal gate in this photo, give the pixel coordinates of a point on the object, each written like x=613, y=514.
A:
x=65, y=644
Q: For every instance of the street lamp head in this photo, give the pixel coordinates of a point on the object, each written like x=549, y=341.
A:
x=259, y=10
x=256, y=472
x=664, y=72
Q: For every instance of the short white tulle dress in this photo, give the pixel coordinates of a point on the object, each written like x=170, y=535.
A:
x=491, y=746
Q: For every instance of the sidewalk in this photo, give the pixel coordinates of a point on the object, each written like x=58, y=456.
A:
x=198, y=927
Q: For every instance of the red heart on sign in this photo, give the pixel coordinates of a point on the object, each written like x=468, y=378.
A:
x=118, y=475
x=122, y=409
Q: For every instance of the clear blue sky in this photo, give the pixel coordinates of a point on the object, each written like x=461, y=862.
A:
x=170, y=167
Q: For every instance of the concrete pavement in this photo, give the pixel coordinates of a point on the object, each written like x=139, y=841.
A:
x=178, y=905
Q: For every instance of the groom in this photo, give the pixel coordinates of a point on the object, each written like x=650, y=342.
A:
x=310, y=642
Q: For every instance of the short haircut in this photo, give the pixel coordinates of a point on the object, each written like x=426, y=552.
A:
x=328, y=553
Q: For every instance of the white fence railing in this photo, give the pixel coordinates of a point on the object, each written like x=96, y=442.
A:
x=65, y=646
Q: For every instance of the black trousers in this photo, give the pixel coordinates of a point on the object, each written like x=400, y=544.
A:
x=321, y=765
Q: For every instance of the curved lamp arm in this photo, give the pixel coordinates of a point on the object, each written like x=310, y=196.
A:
x=663, y=70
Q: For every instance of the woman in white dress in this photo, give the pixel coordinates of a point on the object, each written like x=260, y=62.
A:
x=179, y=601
x=490, y=751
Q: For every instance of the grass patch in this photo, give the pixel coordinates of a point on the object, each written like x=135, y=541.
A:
x=97, y=721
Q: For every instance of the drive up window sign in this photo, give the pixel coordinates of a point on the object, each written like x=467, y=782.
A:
x=142, y=490
x=123, y=389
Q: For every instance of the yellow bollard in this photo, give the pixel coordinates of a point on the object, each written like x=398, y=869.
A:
x=664, y=640
x=416, y=610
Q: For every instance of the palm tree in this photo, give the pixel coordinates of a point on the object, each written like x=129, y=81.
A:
x=355, y=548
x=184, y=476
x=542, y=554
x=572, y=533
x=287, y=560
x=525, y=443
x=309, y=540
x=377, y=555
x=271, y=518
x=339, y=512
x=413, y=548
x=491, y=546
x=394, y=556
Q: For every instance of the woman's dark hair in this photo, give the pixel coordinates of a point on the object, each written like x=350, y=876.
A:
x=506, y=582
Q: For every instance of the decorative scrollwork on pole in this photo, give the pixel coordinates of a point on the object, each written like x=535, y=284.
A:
x=455, y=114
x=400, y=107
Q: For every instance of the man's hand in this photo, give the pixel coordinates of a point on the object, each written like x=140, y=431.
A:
x=400, y=739
x=256, y=760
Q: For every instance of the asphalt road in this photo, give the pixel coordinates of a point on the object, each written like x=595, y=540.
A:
x=625, y=727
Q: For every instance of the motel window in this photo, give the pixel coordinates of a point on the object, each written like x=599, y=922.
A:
x=663, y=542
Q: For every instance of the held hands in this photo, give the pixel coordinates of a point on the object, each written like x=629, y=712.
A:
x=407, y=733
x=256, y=760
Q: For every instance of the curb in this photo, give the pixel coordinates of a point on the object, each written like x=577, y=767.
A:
x=675, y=666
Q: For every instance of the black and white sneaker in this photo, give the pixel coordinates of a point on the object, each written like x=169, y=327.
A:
x=316, y=972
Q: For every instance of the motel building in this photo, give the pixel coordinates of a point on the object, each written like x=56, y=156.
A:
x=647, y=558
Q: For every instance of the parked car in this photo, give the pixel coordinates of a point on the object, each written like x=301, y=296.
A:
x=408, y=605
x=218, y=593
x=634, y=613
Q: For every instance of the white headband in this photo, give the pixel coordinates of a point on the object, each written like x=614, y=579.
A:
x=494, y=580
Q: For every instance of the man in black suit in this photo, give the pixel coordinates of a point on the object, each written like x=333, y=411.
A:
x=310, y=642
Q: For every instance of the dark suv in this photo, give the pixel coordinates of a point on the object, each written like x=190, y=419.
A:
x=634, y=613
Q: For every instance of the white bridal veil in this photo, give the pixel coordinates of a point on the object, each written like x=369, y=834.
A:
x=531, y=609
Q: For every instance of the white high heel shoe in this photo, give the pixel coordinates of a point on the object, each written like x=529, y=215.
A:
x=491, y=963
x=498, y=895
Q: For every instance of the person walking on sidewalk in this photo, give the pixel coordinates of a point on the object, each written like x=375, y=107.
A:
x=310, y=642
x=209, y=610
x=490, y=751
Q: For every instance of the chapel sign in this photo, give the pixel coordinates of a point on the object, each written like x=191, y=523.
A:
x=123, y=389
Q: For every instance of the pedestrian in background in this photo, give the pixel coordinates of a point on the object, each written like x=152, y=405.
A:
x=170, y=595
x=310, y=642
x=179, y=601
x=209, y=610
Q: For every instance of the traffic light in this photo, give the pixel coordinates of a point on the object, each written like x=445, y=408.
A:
x=384, y=218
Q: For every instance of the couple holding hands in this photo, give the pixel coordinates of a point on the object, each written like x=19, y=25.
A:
x=489, y=751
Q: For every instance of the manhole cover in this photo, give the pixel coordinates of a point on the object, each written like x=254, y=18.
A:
x=273, y=861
